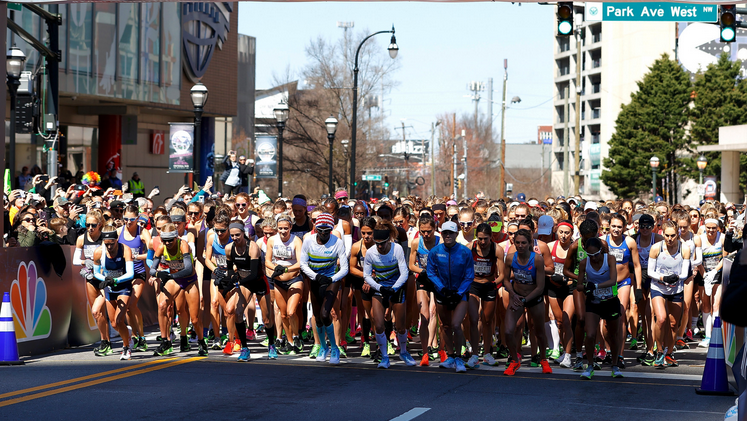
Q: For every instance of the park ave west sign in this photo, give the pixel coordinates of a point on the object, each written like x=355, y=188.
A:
x=651, y=12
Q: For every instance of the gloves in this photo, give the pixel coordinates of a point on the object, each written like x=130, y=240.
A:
x=86, y=273
x=323, y=279
x=590, y=287
x=387, y=291
x=107, y=282
x=219, y=274
x=558, y=278
x=638, y=295
x=670, y=279
x=279, y=270
x=164, y=276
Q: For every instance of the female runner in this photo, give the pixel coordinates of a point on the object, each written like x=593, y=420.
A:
x=84, y=249
x=355, y=277
x=419, y=249
x=560, y=291
x=137, y=239
x=713, y=260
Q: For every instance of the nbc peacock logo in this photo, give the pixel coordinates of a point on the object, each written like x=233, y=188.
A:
x=28, y=297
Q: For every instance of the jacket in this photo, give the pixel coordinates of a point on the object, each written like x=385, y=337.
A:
x=451, y=269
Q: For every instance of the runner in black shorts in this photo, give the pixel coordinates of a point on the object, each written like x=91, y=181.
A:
x=355, y=278
x=419, y=249
x=560, y=291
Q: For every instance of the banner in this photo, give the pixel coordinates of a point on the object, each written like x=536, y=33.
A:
x=711, y=185
x=207, y=149
x=181, y=147
x=266, y=164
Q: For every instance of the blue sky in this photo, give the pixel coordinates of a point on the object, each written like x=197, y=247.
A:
x=443, y=46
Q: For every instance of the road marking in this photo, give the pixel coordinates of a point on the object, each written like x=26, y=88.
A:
x=79, y=379
x=413, y=413
x=98, y=381
x=688, y=411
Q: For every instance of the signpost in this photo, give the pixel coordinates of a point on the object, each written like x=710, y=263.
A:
x=371, y=177
x=651, y=12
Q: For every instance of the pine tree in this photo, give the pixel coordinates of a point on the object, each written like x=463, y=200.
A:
x=653, y=123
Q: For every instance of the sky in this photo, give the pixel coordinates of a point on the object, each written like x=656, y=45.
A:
x=442, y=47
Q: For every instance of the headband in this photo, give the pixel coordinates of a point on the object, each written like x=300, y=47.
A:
x=567, y=224
x=178, y=218
x=712, y=221
x=495, y=226
x=381, y=235
x=237, y=225
x=109, y=235
x=297, y=201
x=325, y=219
x=340, y=194
x=171, y=235
x=439, y=206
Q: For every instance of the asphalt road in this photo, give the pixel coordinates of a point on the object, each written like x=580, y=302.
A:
x=74, y=384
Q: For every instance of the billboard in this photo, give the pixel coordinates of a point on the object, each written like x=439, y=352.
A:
x=181, y=147
x=266, y=151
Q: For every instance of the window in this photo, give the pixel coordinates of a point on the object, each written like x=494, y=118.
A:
x=150, y=43
x=105, y=50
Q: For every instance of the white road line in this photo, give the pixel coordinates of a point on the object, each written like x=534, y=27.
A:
x=688, y=411
x=413, y=413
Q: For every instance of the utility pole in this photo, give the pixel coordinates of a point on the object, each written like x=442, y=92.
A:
x=433, y=163
x=489, y=137
x=464, y=158
x=577, y=155
x=453, y=140
x=476, y=88
x=454, y=169
x=502, y=176
x=407, y=162
x=566, y=151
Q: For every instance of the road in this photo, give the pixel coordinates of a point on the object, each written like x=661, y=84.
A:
x=74, y=383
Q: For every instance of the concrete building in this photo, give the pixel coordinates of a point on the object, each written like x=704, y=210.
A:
x=614, y=56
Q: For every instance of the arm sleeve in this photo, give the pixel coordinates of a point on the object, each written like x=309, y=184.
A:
x=344, y=263
x=684, y=270
x=149, y=258
x=368, y=271
x=697, y=259
x=432, y=270
x=154, y=266
x=348, y=239
x=253, y=272
x=404, y=272
x=469, y=274
x=97, y=273
x=303, y=259
x=188, y=267
x=77, y=261
x=129, y=273
x=652, y=273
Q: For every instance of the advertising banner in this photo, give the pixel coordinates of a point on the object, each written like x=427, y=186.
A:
x=207, y=149
x=711, y=186
x=181, y=147
x=266, y=160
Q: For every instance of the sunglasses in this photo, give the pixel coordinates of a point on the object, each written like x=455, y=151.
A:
x=29, y=220
x=193, y=213
x=241, y=205
x=466, y=224
x=400, y=222
x=647, y=227
x=607, y=229
x=168, y=241
x=237, y=235
x=219, y=231
x=128, y=220
x=323, y=231
x=92, y=225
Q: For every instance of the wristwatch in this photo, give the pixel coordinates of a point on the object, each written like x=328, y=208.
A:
x=523, y=301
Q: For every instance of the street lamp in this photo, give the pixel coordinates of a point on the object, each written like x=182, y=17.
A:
x=654, y=162
x=702, y=163
x=14, y=65
x=199, y=95
x=281, y=116
x=393, y=49
x=331, y=125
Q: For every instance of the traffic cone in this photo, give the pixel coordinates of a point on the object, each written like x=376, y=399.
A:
x=714, y=375
x=8, y=343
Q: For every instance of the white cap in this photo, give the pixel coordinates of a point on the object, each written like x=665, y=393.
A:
x=449, y=226
x=545, y=225
x=591, y=205
x=532, y=203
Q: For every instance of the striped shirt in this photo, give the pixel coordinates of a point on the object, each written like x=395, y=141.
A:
x=323, y=259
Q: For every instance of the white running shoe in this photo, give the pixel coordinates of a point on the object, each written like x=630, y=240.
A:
x=126, y=354
x=566, y=361
x=473, y=362
x=488, y=359
x=705, y=343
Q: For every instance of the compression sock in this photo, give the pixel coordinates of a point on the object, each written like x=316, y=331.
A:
x=365, y=330
x=320, y=335
x=388, y=328
x=552, y=334
x=402, y=339
x=270, y=335
x=331, y=335
x=241, y=331
x=381, y=341
x=693, y=323
x=707, y=324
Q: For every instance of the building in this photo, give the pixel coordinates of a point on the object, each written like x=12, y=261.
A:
x=614, y=56
x=126, y=73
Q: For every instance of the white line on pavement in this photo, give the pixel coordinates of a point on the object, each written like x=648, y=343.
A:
x=650, y=409
x=413, y=413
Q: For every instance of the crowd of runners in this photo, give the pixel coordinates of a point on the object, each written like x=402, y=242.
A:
x=473, y=281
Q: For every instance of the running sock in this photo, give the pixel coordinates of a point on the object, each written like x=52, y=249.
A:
x=381, y=341
x=320, y=335
x=579, y=355
x=331, y=335
x=241, y=331
x=402, y=340
x=205, y=332
x=551, y=330
x=270, y=335
x=707, y=324
x=388, y=328
x=365, y=330
x=693, y=323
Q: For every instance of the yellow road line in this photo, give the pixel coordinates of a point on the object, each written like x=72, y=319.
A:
x=98, y=381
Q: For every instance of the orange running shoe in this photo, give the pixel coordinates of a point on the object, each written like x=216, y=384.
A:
x=424, y=361
x=546, y=369
x=237, y=346
x=443, y=355
x=512, y=368
x=228, y=350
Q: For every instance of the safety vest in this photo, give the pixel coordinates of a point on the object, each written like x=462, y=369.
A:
x=136, y=187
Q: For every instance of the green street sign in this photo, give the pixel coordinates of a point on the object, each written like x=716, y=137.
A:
x=15, y=6
x=371, y=177
x=650, y=12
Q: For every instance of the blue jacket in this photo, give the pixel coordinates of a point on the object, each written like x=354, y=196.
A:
x=451, y=269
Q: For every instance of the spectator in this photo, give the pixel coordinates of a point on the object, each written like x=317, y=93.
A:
x=27, y=233
x=62, y=208
x=135, y=186
x=23, y=178
x=112, y=181
x=59, y=226
x=246, y=168
x=231, y=175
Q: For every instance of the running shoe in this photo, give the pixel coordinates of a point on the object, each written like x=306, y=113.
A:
x=670, y=361
x=292, y=351
x=464, y=349
x=566, y=361
x=104, y=349
x=680, y=345
x=322, y=356
x=512, y=369
x=126, y=354
x=343, y=353
x=223, y=340
x=203, y=348
x=376, y=356
x=298, y=345
x=141, y=345
x=548, y=352
x=705, y=343
x=633, y=344
x=314, y=351
x=442, y=355
x=607, y=358
x=334, y=355
x=588, y=373
x=250, y=335
x=546, y=369
x=228, y=349
x=449, y=363
x=159, y=338
x=597, y=366
x=460, y=368
x=366, y=352
x=621, y=362
x=272, y=352
x=349, y=338
x=689, y=336
x=660, y=362
x=579, y=364
x=488, y=359
x=390, y=349
x=474, y=362
x=265, y=342
x=502, y=352
x=384, y=362
x=244, y=355
x=216, y=345
x=425, y=361
x=184, y=344
x=509, y=360
x=164, y=349
x=535, y=361
x=407, y=358
x=555, y=354
x=616, y=373
x=647, y=359
x=236, y=345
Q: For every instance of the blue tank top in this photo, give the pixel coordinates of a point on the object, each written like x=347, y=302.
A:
x=621, y=253
x=598, y=277
x=115, y=267
x=219, y=251
x=137, y=246
x=524, y=274
x=422, y=252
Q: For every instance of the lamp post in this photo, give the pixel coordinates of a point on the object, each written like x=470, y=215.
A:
x=199, y=95
x=345, y=143
x=14, y=64
x=331, y=125
x=702, y=163
x=393, y=50
x=281, y=116
x=654, y=162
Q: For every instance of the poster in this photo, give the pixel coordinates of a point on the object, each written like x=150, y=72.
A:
x=711, y=186
x=181, y=147
x=266, y=156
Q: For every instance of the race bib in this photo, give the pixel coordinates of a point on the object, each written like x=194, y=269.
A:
x=220, y=261
x=282, y=252
x=176, y=265
x=558, y=268
x=603, y=293
x=618, y=253
x=483, y=267
x=523, y=277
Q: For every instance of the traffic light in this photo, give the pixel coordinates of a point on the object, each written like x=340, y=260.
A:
x=459, y=184
x=728, y=22
x=565, y=18
x=386, y=181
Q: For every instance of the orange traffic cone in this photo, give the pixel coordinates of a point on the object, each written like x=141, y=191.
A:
x=714, y=380
x=8, y=343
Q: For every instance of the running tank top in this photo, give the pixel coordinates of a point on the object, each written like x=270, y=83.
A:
x=667, y=264
x=580, y=255
x=88, y=248
x=558, y=262
x=598, y=277
x=137, y=246
x=621, y=252
x=283, y=253
x=242, y=260
x=485, y=267
x=219, y=251
x=712, y=253
x=115, y=267
x=176, y=260
x=643, y=252
x=524, y=274
x=422, y=253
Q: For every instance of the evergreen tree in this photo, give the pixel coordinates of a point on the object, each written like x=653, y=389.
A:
x=653, y=123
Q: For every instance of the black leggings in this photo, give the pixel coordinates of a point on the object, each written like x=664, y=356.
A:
x=322, y=299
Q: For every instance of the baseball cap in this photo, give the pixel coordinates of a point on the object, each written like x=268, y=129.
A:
x=532, y=203
x=449, y=226
x=521, y=197
x=590, y=205
x=61, y=201
x=658, y=199
x=116, y=204
x=604, y=209
x=646, y=219
x=545, y=225
x=495, y=222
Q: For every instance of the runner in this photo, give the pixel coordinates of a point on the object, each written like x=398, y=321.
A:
x=215, y=260
x=710, y=286
x=355, y=277
x=682, y=219
x=560, y=291
x=419, y=248
x=645, y=239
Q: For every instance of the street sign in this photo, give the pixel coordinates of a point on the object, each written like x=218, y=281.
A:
x=651, y=12
x=371, y=177
x=15, y=6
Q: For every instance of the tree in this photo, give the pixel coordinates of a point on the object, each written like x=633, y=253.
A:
x=653, y=123
x=719, y=99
